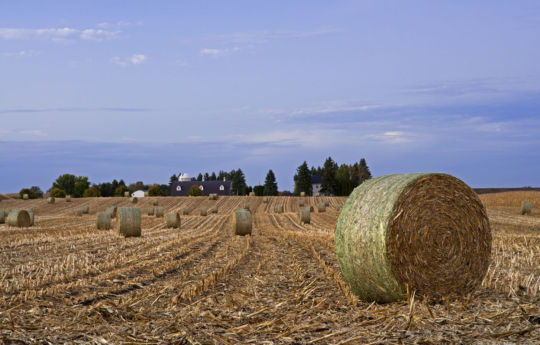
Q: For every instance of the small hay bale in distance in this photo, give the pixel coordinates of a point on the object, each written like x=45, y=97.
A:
x=25, y=197
x=112, y=211
x=327, y=203
x=51, y=200
x=251, y=193
x=126, y=194
x=305, y=217
x=68, y=198
x=310, y=208
x=427, y=231
x=31, y=214
x=155, y=202
x=265, y=200
x=203, y=211
x=129, y=221
x=301, y=202
x=212, y=196
x=160, y=211
x=173, y=220
x=185, y=211
x=278, y=209
x=526, y=207
x=213, y=209
x=103, y=221
x=247, y=206
x=302, y=194
x=133, y=200
x=150, y=211
x=79, y=212
x=86, y=209
x=321, y=207
x=241, y=222
x=317, y=194
x=19, y=219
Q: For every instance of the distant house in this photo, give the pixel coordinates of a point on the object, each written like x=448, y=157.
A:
x=316, y=182
x=181, y=188
x=138, y=194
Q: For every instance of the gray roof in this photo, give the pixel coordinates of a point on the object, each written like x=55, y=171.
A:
x=315, y=179
x=181, y=188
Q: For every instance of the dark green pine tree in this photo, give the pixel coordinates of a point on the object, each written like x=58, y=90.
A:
x=213, y=177
x=270, y=184
x=171, y=180
x=199, y=177
x=363, y=171
x=329, y=184
x=303, y=181
x=238, y=186
x=206, y=177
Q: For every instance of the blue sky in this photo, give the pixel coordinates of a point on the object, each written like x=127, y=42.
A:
x=141, y=90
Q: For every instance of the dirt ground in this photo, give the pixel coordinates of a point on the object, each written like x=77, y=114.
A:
x=64, y=282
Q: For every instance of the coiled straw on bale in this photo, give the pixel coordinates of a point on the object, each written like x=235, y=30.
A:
x=426, y=231
x=321, y=207
x=203, y=211
x=112, y=211
x=68, y=198
x=278, y=209
x=31, y=215
x=86, y=209
x=526, y=207
x=185, y=211
x=129, y=222
x=155, y=202
x=241, y=222
x=50, y=200
x=150, y=211
x=18, y=218
x=103, y=221
x=173, y=220
x=25, y=197
x=305, y=217
x=160, y=212
x=134, y=200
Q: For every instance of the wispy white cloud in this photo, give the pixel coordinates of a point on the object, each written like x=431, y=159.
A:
x=215, y=52
x=265, y=36
x=33, y=132
x=58, y=34
x=135, y=59
x=22, y=53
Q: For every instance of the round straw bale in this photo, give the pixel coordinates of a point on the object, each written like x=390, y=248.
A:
x=103, y=221
x=126, y=194
x=321, y=207
x=19, y=218
x=203, y=211
x=305, y=217
x=155, y=202
x=68, y=198
x=25, y=197
x=173, y=220
x=185, y=211
x=327, y=203
x=50, y=200
x=213, y=209
x=427, y=231
x=241, y=222
x=160, y=212
x=317, y=194
x=246, y=206
x=3, y=216
x=134, y=200
x=112, y=211
x=301, y=202
x=251, y=193
x=265, y=200
x=278, y=209
x=86, y=209
x=150, y=211
x=212, y=196
x=80, y=212
x=129, y=221
x=526, y=207
x=31, y=214
x=302, y=194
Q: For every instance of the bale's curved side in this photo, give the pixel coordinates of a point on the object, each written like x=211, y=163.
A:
x=160, y=211
x=150, y=211
x=526, y=207
x=31, y=214
x=241, y=222
x=103, y=221
x=129, y=221
x=426, y=231
x=203, y=211
x=305, y=217
x=51, y=200
x=173, y=220
x=18, y=218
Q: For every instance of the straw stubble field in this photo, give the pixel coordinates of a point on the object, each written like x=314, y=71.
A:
x=63, y=281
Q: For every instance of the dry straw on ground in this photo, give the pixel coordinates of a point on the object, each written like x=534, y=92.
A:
x=50, y=200
x=150, y=211
x=526, y=207
x=19, y=218
x=425, y=231
x=173, y=220
x=103, y=221
x=241, y=222
x=160, y=211
x=305, y=217
x=129, y=222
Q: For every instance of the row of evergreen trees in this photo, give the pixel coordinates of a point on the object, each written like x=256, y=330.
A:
x=336, y=180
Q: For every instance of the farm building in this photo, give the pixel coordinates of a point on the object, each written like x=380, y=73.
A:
x=316, y=182
x=181, y=188
x=138, y=194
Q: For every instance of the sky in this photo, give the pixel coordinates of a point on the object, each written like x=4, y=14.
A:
x=140, y=90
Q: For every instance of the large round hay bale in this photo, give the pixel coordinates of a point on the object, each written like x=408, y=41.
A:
x=241, y=222
x=68, y=198
x=86, y=209
x=18, y=218
x=150, y=211
x=301, y=202
x=79, y=212
x=173, y=220
x=426, y=231
x=51, y=200
x=302, y=194
x=25, y=197
x=126, y=194
x=278, y=209
x=160, y=211
x=129, y=221
x=213, y=209
x=133, y=200
x=305, y=217
x=203, y=211
x=526, y=207
x=3, y=216
x=185, y=211
x=265, y=200
x=31, y=215
x=112, y=211
x=155, y=202
x=103, y=221
x=321, y=207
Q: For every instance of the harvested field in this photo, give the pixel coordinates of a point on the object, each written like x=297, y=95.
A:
x=64, y=281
